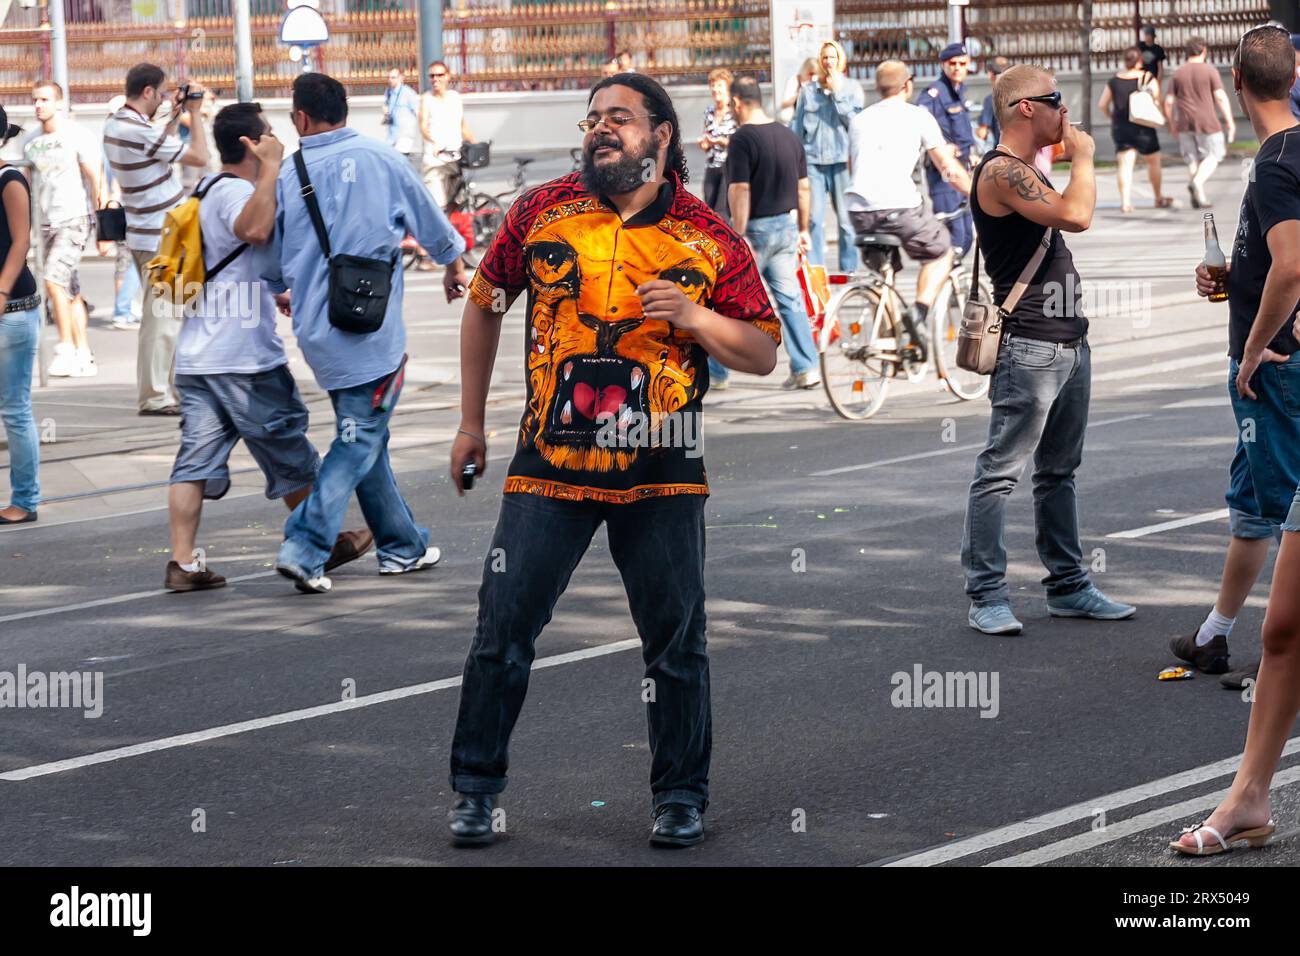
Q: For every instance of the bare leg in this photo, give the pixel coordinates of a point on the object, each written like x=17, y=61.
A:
x=78, y=322
x=1277, y=700
x=184, y=507
x=1246, y=557
x=931, y=278
x=62, y=310
x=1124, y=161
x=1155, y=174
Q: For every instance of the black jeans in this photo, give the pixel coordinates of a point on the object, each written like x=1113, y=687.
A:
x=715, y=191
x=658, y=546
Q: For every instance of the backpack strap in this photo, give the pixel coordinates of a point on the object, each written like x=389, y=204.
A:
x=201, y=190
x=308, y=193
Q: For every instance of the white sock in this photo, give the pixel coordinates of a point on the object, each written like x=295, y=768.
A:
x=190, y=568
x=1215, y=624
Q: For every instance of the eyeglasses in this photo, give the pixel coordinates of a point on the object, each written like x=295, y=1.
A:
x=1271, y=25
x=1052, y=99
x=613, y=121
x=433, y=76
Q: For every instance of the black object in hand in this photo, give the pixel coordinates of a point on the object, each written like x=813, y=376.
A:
x=467, y=476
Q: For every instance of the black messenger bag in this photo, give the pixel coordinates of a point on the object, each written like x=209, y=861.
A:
x=358, y=287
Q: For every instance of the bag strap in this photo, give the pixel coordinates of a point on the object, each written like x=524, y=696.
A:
x=200, y=191
x=1026, y=275
x=308, y=193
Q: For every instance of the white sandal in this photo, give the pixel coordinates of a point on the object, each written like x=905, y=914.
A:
x=1254, y=837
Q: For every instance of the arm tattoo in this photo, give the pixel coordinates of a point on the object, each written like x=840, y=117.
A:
x=1015, y=175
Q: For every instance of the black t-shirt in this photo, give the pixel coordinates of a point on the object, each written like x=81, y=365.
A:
x=1272, y=196
x=1051, y=309
x=771, y=159
x=1153, y=58
x=25, y=284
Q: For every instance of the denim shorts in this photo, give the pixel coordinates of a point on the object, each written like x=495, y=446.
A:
x=1266, y=467
x=262, y=408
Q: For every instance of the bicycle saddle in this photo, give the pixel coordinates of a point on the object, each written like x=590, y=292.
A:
x=878, y=240
x=524, y=160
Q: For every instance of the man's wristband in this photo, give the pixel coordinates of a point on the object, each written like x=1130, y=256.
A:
x=472, y=435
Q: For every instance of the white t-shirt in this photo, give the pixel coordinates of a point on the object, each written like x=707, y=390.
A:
x=445, y=116
x=57, y=156
x=885, y=142
x=232, y=328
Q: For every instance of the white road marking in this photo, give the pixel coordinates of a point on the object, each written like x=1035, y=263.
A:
x=1156, y=368
x=1218, y=401
x=289, y=717
x=1142, y=532
x=949, y=451
x=1143, y=821
x=119, y=599
x=1079, y=811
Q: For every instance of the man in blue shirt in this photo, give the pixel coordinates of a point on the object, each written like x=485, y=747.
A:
x=989, y=130
x=946, y=99
x=401, y=116
x=370, y=198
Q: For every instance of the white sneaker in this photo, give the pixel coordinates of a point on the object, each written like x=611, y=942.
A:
x=86, y=367
x=64, y=364
x=126, y=325
x=427, y=560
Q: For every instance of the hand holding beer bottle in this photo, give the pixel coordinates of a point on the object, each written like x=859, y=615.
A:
x=1212, y=273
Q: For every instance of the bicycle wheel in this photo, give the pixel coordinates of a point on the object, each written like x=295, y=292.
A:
x=859, y=349
x=486, y=216
x=945, y=324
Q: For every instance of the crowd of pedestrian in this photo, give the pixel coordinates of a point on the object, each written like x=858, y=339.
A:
x=698, y=288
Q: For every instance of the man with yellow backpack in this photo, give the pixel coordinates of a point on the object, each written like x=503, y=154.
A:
x=232, y=373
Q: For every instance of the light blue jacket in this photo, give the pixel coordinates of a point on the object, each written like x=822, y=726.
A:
x=370, y=198
x=821, y=121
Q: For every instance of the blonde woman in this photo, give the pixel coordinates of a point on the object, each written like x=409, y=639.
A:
x=1131, y=139
x=822, y=114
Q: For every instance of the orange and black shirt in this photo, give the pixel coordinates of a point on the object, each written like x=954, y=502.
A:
x=614, y=398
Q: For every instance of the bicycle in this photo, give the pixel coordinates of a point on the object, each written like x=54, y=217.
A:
x=860, y=338
x=485, y=211
x=518, y=182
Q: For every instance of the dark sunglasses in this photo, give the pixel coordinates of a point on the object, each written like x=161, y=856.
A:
x=1052, y=99
x=435, y=75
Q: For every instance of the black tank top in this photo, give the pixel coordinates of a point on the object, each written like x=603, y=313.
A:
x=25, y=284
x=1052, y=307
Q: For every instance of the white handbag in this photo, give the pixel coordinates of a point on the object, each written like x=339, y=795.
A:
x=1143, y=108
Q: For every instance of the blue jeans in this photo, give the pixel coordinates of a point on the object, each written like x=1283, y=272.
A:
x=658, y=547
x=1040, y=393
x=1268, y=441
x=20, y=335
x=357, y=461
x=831, y=180
x=124, y=304
x=776, y=242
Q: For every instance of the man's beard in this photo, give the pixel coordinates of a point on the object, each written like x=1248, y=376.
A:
x=629, y=172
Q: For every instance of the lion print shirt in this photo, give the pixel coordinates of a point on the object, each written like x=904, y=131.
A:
x=613, y=398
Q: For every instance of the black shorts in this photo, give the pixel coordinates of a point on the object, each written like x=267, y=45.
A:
x=1133, y=136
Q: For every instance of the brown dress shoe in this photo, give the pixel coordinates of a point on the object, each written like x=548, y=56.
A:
x=178, y=579
x=1212, y=658
x=349, y=546
x=1236, y=680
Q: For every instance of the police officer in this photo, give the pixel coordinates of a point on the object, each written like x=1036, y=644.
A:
x=946, y=99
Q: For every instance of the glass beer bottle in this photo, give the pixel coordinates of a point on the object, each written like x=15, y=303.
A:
x=1215, y=264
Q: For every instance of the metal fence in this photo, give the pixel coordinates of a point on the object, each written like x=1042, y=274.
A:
x=563, y=44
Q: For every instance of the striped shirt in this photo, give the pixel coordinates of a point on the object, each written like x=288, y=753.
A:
x=142, y=157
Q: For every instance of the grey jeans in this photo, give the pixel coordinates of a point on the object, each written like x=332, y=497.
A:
x=1040, y=392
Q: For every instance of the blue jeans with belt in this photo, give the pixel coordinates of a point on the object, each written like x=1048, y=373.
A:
x=831, y=180
x=20, y=335
x=357, y=461
x=1040, y=393
x=776, y=245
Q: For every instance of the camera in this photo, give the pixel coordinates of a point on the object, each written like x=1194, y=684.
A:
x=188, y=94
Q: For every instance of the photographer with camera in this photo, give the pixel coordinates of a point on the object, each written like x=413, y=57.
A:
x=143, y=158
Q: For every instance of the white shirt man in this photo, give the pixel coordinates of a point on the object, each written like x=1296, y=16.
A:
x=442, y=124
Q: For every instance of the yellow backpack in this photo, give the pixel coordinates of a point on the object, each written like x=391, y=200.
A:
x=177, y=272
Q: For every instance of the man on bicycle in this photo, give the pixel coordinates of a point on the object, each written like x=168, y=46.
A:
x=885, y=142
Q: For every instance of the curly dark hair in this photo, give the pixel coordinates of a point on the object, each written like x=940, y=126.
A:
x=660, y=107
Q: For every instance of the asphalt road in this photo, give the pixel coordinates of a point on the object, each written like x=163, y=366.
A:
x=226, y=738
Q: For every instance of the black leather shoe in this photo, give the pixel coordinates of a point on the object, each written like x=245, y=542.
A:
x=677, y=824
x=470, y=819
